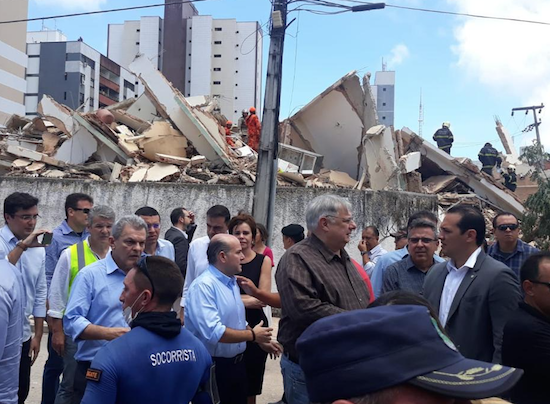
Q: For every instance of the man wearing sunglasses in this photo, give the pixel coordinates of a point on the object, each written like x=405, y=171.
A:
x=409, y=273
x=153, y=244
x=158, y=361
x=72, y=230
x=94, y=311
x=508, y=248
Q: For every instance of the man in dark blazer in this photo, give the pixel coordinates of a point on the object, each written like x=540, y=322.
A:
x=473, y=293
x=181, y=234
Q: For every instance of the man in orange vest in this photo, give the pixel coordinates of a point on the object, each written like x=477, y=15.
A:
x=254, y=129
x=228, y=138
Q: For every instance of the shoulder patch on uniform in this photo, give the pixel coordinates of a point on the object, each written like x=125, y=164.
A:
x=93, y=374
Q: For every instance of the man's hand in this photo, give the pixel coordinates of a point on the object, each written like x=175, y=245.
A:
x=362, y=246
x=32, y=240
x=191, y=216
x=117, y=332
x=273, y=348
x=263, y=334
x=248, y=286
x=58, y=343
x=35, y=348
x=253, y=303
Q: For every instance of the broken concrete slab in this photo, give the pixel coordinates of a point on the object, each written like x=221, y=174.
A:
x=139, y=174
x=34, y=167
x=20, y=163
x=197, y=160
x=136, y=124
x=55, y=174
x=58, y=114
x=162, y=138
x=144, y=109
x=159, y=171
x=171, y=104
x=180, y=161
x=384, y=173
x=78, y=148
x=117, y=168
x=438, y=183
x=410, y=162
x=49, y=142
x=101, y=137
x=16, y=122
x=126, y=141
x=507, y=142
x=341, y=179
x=33, y=155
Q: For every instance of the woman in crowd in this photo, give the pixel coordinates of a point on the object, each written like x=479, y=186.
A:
x=257, y=268
x=259, y=242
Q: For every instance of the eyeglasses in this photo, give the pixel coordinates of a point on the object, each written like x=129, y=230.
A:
x=153, y=226
x=541, y=283
x=346, y=220
x=504, y=227
x=425, y=240
x=27, y=218
x=84, y=210
x=142, y=264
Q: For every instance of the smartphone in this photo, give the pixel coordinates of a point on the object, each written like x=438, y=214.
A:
x=47, y=239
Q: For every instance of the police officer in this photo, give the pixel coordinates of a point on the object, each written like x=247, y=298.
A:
x=444, y=137
x=489, y=157
x=158, y=361
x=510, y=178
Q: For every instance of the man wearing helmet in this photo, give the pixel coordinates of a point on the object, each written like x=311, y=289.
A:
x=243, y=125
x=444, y=137
x=254, y=129
x=510, y=178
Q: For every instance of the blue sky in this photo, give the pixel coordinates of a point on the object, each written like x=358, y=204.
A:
x=469, y=69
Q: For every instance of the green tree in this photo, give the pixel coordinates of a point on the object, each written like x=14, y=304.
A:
x=536, y=219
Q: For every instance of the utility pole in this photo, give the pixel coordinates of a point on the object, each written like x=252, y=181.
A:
x=266, y=176
x=537, y=122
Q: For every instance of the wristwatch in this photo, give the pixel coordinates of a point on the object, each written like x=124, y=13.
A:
x=21, y=245
x=364, y=253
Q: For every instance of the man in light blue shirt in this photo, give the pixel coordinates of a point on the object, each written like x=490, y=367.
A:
x=153, y=244
x=215, y=315
x=71, y=231
x=94, y=311
x=377, y=278
x=12, y=309
x=19, y=244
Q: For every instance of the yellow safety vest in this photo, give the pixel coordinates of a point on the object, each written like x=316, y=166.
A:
x=81, y=255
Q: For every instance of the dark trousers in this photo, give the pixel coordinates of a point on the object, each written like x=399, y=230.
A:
x=79, y=386
x=52, y=371
x=231, y=380
x=488, y=170
x=24, y=372
x=446, y=149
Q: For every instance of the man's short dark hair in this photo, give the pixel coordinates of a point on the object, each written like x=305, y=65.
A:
x=503, y=214
x=72, y=201
x=423, y=214
x=18, y=201
x=166, y=277
x=176, y=215
x=214, y=248
x=422, y=224
x=374, y=230
x=219, y=211
x=471, y=219
x=147, y=211
x=530, y=268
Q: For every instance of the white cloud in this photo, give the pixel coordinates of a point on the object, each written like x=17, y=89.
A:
x=510, y=58
x=398, y=55
x=86, y=5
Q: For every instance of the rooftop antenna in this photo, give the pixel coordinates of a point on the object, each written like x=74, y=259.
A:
x=384, y=65
x=420, y=116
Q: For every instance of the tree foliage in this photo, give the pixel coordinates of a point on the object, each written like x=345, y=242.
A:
x=536, y=219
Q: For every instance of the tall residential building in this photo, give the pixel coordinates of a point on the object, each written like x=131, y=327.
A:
x=384, y=94
x=13, y=59
x=198, y=54
x=224, y=59
x=76, y=75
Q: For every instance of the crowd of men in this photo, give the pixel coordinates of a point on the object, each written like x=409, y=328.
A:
x=136, y=318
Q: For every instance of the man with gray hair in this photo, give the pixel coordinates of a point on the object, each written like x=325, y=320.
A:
x=316, y=278
x=72, y=260
x=94, y=313
x=409, y=273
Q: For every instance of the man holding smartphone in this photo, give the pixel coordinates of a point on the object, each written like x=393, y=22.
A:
x=19, y=243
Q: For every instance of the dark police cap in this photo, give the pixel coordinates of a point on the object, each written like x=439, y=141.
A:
x=292, y=230
x=363, y=351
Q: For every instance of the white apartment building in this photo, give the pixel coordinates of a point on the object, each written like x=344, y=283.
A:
x=13, y=58
x=224, y=59
x=384, y=94
x=46, y=35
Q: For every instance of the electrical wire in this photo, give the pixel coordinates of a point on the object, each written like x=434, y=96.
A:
x=100, y=11
x=295, y=62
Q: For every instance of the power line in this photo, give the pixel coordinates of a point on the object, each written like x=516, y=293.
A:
x=101, y=11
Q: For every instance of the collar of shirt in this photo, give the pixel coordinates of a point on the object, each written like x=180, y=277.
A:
x=180, y=230
x=327, y=254
x=375, y=250
x=470, y=262
x=8, y=236
x=66, y=229
x=223, y=278
x=111, y=265
x=87, y=241
x=520, y=247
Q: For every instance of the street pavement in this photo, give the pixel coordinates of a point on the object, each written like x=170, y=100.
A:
x=272, y=390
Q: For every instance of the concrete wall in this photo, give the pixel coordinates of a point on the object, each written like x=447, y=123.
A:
x=387, y=210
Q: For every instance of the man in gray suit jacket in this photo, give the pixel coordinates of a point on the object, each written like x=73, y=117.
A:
x=180, y=234
x=473, y=293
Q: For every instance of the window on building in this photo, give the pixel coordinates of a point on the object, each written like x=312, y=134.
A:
x=189, y=54
x=236, y=85
x=66, y=76
x=236, y=58
x=217, y=28
x=236, y=71
x=383, y=88
x=92, y=83
x=137, y=30
x=189, y=95
x=236, y=32
x=217, y=56
x=137, y=43
x=189, y=81
x=236, y=46
x=91, y=102
x=217, y=83
x=82, y=79
x=236, y=98
x=189, y=41
x=81, y=99
x=65, y=95
x=189, y=67
x=383, y=104
x=383, y=118
x=216, y=42
x=217, y=69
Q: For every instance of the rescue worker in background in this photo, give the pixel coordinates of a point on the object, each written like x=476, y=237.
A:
x=444, y=137
x=228, y=138
x=254, y=129
x=489, y=157
x=510, y=178
x=243, y=125
x=149, y=363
